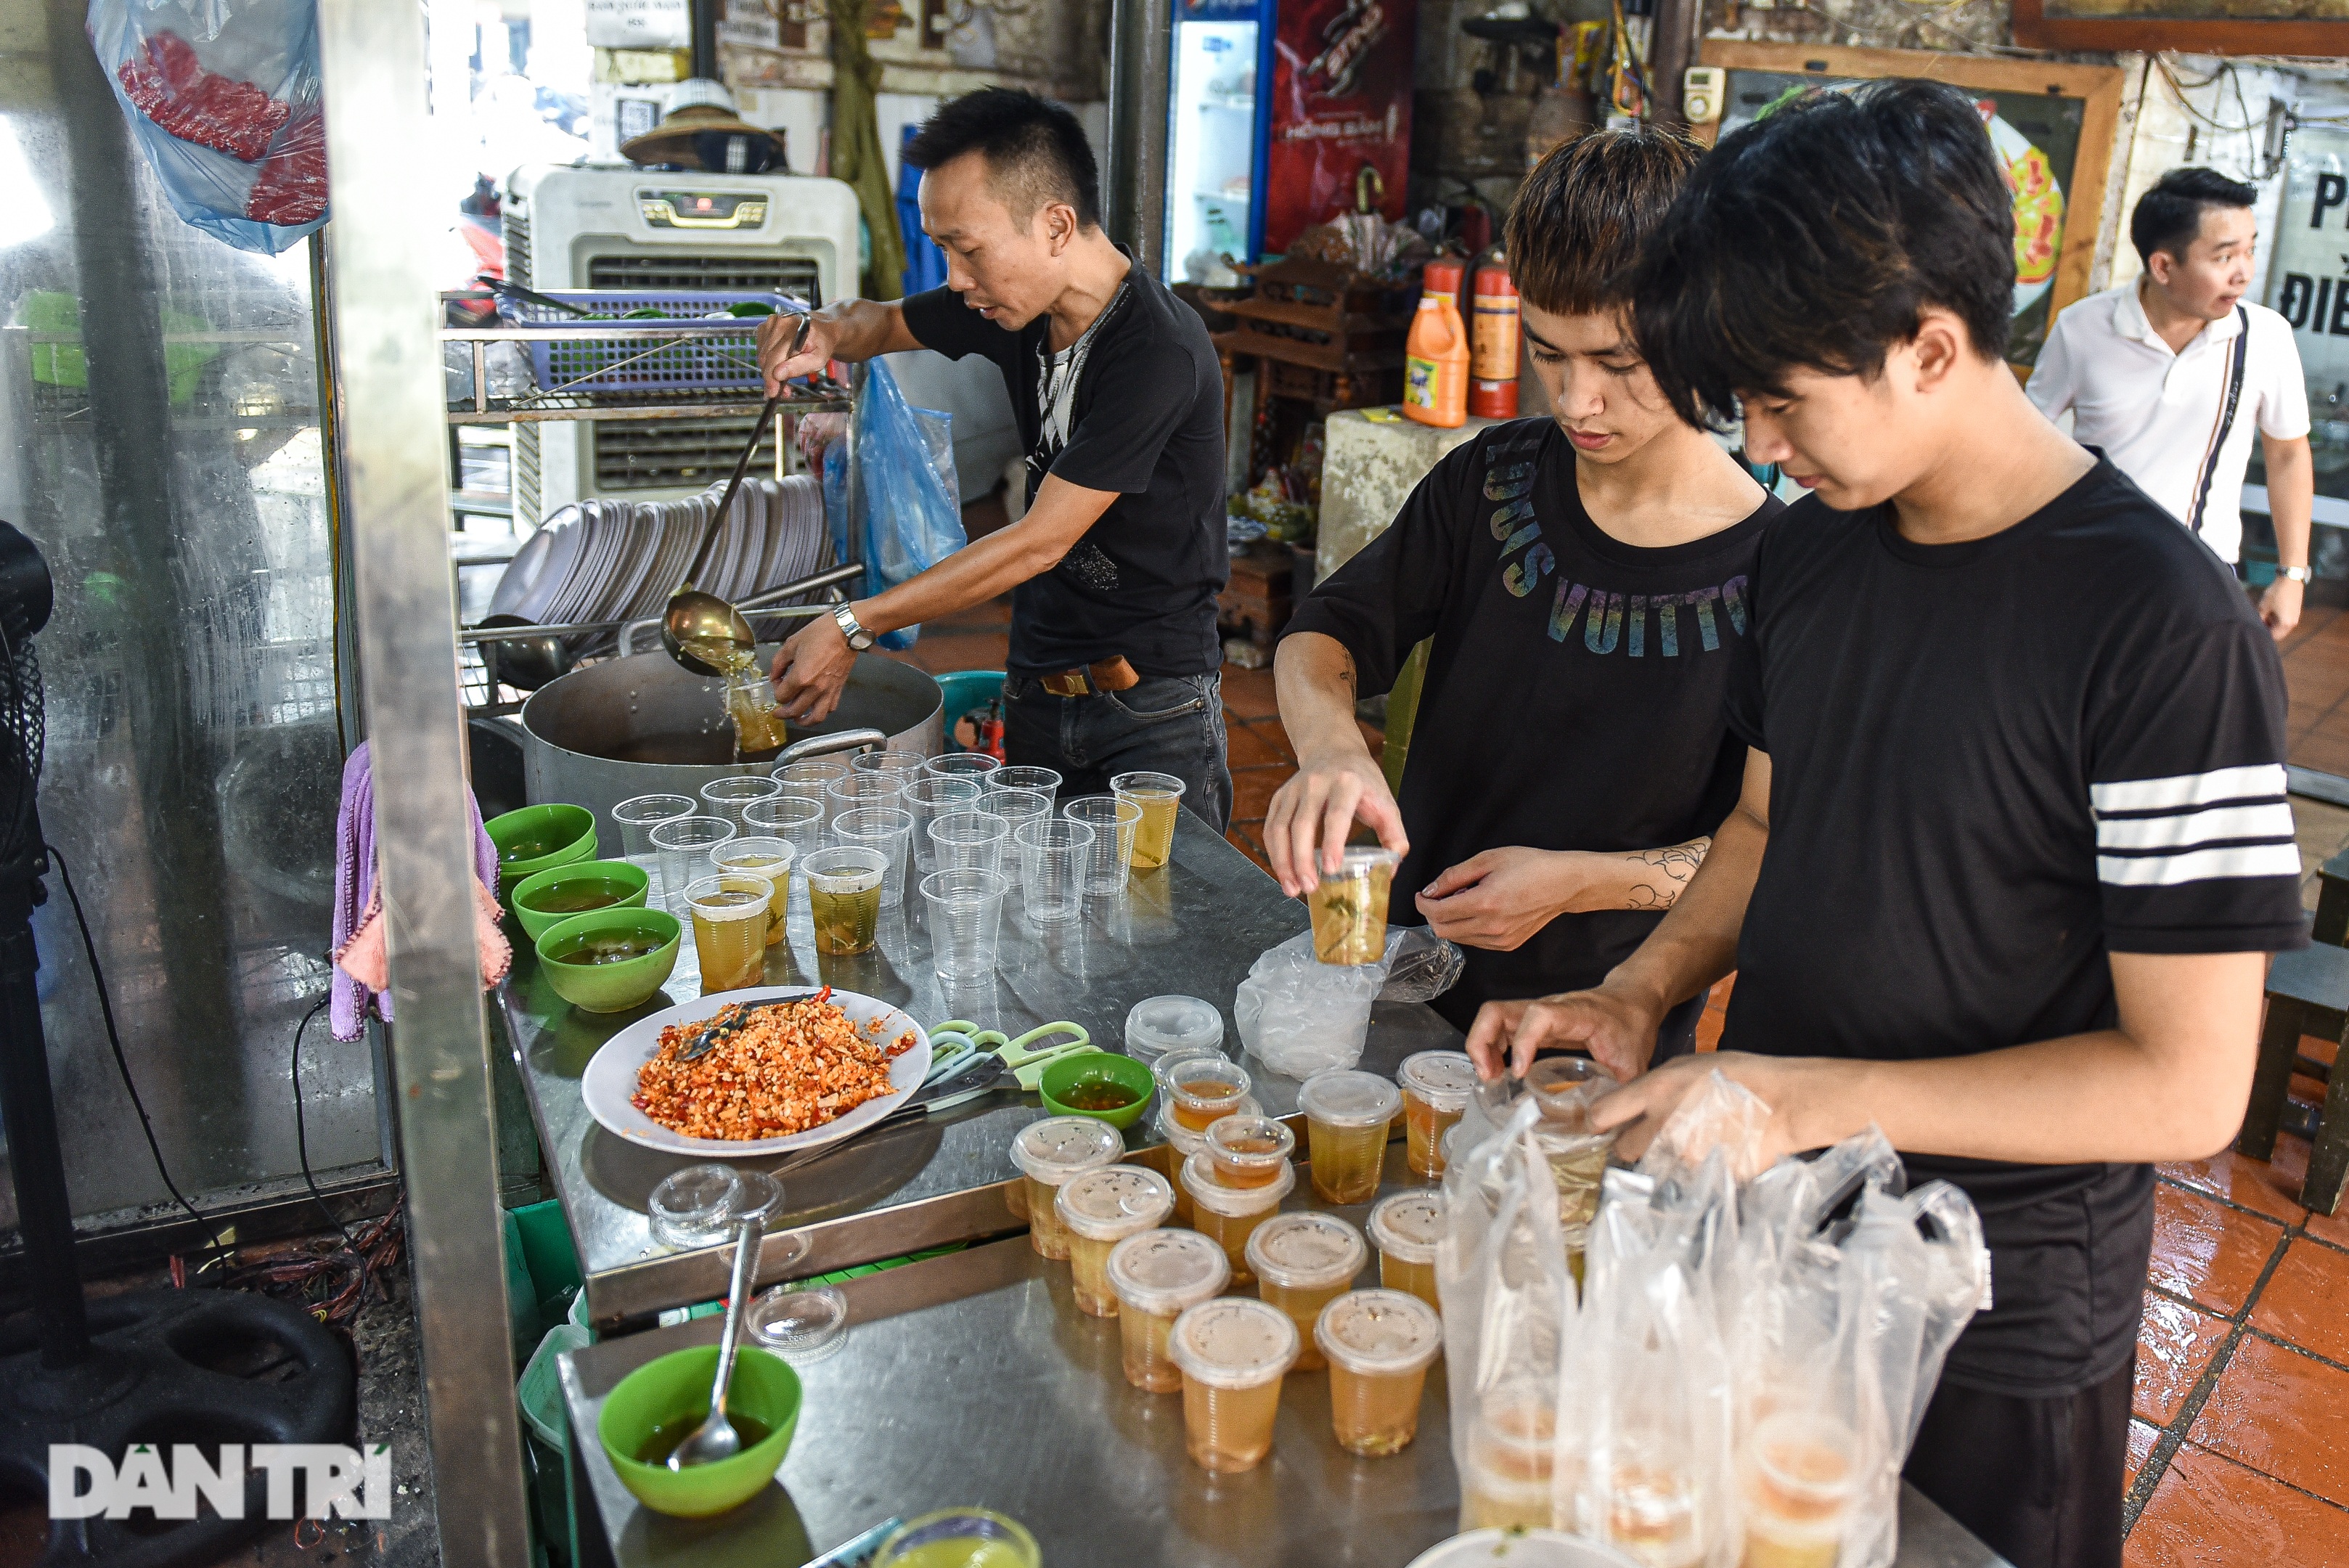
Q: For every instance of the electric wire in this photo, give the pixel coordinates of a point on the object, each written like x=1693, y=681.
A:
x=301, y=1129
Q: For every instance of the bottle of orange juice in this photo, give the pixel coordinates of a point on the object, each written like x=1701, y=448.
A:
x=1435, y=353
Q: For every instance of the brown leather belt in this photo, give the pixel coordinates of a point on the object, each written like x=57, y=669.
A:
x=1112, y=674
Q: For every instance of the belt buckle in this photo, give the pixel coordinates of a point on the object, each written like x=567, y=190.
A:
x=1068, y=683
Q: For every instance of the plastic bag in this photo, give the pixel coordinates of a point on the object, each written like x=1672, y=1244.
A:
x=1420, y=965
x=896, y=470
x=1303, y=1016
x=224, y=101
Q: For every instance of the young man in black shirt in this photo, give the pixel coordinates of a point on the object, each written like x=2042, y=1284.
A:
x=2013, y=845
x=1114, y=664
x=1583, y=577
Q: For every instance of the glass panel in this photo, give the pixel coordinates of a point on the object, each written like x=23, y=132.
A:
x=1212, y=147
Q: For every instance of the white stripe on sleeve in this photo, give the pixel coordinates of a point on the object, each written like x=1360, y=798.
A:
x=2198, y=865
x=2183, y=790
x=2269, y=821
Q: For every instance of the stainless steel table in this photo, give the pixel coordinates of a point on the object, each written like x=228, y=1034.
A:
x=1193, y=927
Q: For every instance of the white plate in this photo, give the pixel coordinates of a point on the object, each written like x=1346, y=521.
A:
x=609, y=1084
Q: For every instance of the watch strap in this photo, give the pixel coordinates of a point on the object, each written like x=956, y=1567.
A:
x=2297, y=574
x=851, y=628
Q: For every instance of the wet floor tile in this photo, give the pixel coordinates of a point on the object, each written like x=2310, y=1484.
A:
x=2143, y=1435
x=2306, y=1300
x=2173, y=1348
x=2206, y=1251
x=2248, y=1182
x=2280, y=1411
x=2207, y=1513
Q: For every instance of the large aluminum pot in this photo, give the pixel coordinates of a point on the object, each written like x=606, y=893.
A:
x=644, y=725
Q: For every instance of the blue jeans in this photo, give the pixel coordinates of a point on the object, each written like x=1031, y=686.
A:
x=1173, y=724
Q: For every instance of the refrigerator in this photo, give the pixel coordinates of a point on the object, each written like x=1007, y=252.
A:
x=1275, y=110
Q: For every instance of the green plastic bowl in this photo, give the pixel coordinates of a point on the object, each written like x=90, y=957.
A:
x=622, y=878
x=1092, y=1067
x=570, y=830
x=610, y=987
x=676, y=1388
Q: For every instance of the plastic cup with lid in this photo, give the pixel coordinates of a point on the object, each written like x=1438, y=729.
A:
x=1249, y=1151
x=1232, y=1353
x=1099, y=1208
x=1302, y=1263
x=1158, y=1275
x=1379, y=1344
x=1229, y=1215
x=1405, y=1228
x=1203, y=1090
x=1347, y=1115
x=1437, y=1085
x=1349, y=908
x=1157, y=1025
x=1051, y=1153
x=1801, y=1476
x=1186, y=1143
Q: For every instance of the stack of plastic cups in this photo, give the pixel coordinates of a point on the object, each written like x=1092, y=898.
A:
x=1053, y=853
x=1158, y=1276
x=1051, y=1154
x=1233, y=1353
x=1045, y=780
x=1435, y=1089
x=1229, y=1215
x=1377, y=1345
x=1113, y=821
x=1347, y=1115
x=886, y=829
x=1156, y=1027
x=965, y=921
x=640, y=815
x=969, y=841
x=684, y=844
x=929, y=799
x=1099, y=1208
x=973, y=766
x=1302, y=1263
x=1405, y=1228
x=726, y=797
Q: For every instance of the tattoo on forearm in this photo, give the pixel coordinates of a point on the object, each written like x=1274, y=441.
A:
x=1672, y=868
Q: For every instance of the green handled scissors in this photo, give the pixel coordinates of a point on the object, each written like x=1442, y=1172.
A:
x=953, y=1042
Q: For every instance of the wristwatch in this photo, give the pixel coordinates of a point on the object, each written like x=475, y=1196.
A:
x=2296, y=574
x=851, y=628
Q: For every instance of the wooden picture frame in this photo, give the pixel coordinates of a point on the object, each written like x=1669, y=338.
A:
x=2096, y=89
x=2215, y=33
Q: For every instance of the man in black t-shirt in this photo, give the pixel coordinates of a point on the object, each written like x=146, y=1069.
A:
x=1114, y=665
x=2013, y=844
x=1583, y=578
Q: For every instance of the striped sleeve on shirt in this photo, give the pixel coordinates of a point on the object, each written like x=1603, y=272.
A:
x=2194, y=828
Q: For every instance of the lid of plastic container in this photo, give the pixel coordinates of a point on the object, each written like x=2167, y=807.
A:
x=1157, y=1024
x=1233, y=1342
x=1444, y=1079
x=1361, y=857
x=1164, y=1272
x=1217, y=1076
x=1114, y=1202
x=1347, y=1097
x=1224, y=1132
x=1233, y=1202
x=799, y=1324
x=1379, y=1334
x=1306, y=1252
x=1519, y=1547
x=1186, y=1142
x=1057, y=1148
x=1407, y=1225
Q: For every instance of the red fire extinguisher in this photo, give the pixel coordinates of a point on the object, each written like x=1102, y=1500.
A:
x=1492, y=340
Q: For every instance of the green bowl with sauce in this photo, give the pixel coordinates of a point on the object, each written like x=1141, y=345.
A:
x=1097, y=1084
x=548, y=897
x=609, y=960
x=658, y=1406
x=537, y=836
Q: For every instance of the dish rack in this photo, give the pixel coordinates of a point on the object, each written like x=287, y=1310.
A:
x=667, y=364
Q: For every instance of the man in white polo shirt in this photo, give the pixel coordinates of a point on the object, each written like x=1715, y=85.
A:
x=2169, y=375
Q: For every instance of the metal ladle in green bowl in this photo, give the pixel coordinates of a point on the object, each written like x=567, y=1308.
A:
x=716, y=1437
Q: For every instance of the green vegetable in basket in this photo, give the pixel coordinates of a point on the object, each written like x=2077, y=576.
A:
x=750, y=307
x=646, y=313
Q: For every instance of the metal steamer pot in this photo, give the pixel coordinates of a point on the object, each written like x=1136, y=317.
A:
x=644, y=725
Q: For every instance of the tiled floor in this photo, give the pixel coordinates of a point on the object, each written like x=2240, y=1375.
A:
x=2316, y=668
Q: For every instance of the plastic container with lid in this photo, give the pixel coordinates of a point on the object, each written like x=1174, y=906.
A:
x=1437, y=1087
x=701, y=1205
x=1099, y=1208
x=1229, y=1215
x=1186, y=1143
x=1349, y=907
x=1158, y=1276
x=1379, y=1345
x=1302, y=1263
x=1048, y=1154
x=1249, y=1150
x=1203, y=1090
x=1347, y=1114
x=1232, y=1353
x=1158, y=1024
x=1405, y=1228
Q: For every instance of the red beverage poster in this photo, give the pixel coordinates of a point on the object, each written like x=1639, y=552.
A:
x=1342, y=75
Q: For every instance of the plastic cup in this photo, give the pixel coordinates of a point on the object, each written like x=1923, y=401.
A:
x=1099, y=1208
x=1435, y=1089
x=903, y=766
x=730, y=929
x=794, y=818
x=1350, y=908
x=969, y=840
x=1405, y=1228
x=1233, y=1353
x=1800, y=1476
x=1160, y=796
x=1158, y=1026
x=812, y=780
x=929, y=798
x=965, y=911
x=1113, y=822
x=1249, y=1151
x=857, y=792
x=726, y=797
x=1302, y=1263
x=1511, y=1452
x=1566, y=1087
x=886, y=829
x=1379, y=1345
x=959, y=1538
x=1347, y=1114
x=844, y=885
x=1016, y=806
x=1047, y=781
x=1228, y=1215
x=684, y=844
x=970, y=766
x=1159, y=1276
x=638, y=816
x=1203, y=1089
x=1051, y=1154
x=762, y=856
x=1653, y=1512
x=1052, y=851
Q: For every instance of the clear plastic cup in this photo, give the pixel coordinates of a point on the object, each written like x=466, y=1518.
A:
x=1512, y=1453
x=726, y=797
x=1018, y=806
x=903, y=766
x=1566, y=1087
x=812, y=780
x=966, y=918
x=1156, y=1027
x=1233, y=1353
x=1435, y=1085
x=1349, y=908
x=730, y=929
x=1249, y=1151
x=1656, y=1505
x=1302, y=1263
x=972, y=766
x=639, y=814
x=684, y=844
x=858, y=792
x=1113, y=822
x=1405, y=1228
x=762, y=856
x=929, y=798
x=1228, y=1215
x=959, y=1538
x=1800, y=1476
x=887, y=830
x=1051, y=857
x=1051, y=1153
x=1379, y=1345
x=1347, y=1115
x=1158, y=1276
x=1203, y=1089
x=1160, y=796
x=794, y=818
x=1099, y=1208
x=969, y=840
x=1047, y=781
x=843, y=884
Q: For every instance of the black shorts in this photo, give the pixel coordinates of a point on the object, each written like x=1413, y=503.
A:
x=2039, y=1481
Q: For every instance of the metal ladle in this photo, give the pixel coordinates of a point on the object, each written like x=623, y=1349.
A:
x=716, y=1437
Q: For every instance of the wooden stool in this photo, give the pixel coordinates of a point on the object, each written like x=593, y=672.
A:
x=2333, y=902
x=2308, y=993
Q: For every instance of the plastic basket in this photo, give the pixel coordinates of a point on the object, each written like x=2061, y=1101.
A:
x=641, y=364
